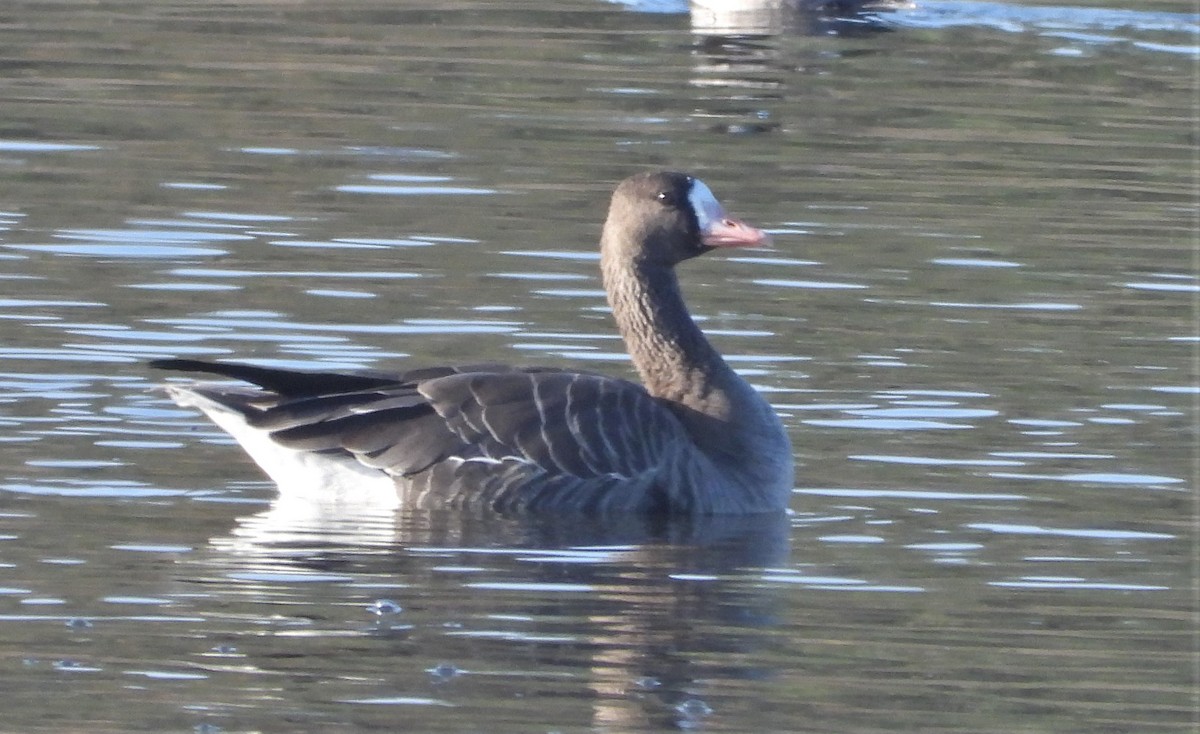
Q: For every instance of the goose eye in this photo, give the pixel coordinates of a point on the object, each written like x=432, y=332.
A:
x=666, y=198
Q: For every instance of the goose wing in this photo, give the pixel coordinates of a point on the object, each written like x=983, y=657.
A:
x=570, y=423
x=562, y=423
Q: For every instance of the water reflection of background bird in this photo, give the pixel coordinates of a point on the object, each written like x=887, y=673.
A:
x=746, y=56
x=769, y=17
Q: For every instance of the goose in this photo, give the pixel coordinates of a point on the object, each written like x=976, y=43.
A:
x=694, y=438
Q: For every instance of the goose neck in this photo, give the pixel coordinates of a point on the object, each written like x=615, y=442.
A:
x=674, y=359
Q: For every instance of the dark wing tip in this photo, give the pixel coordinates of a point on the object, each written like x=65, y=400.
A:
x=288, y=383
x=190, y=365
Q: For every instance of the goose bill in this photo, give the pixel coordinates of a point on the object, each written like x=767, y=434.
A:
x=717, y=229
x=728, y=232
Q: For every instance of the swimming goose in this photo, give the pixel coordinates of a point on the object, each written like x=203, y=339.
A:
x=694, y=438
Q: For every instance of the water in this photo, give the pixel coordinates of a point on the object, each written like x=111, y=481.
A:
x=979, y=322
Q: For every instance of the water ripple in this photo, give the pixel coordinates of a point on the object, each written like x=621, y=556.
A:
x=1096, y=533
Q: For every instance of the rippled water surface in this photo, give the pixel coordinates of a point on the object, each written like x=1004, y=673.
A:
x=978, y=320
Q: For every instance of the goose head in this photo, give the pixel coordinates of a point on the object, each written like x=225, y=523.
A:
x=664, y=218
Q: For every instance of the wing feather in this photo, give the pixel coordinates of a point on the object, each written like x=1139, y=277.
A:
x=566, y=423
x=571, y=425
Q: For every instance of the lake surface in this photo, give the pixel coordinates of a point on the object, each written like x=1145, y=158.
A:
x=979, y=321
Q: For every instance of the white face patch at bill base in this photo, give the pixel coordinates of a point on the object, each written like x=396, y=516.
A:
x=717, y=229
x=708, y=210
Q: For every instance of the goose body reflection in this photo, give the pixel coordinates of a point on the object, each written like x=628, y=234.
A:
x=694, y=438
x=644, y=604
